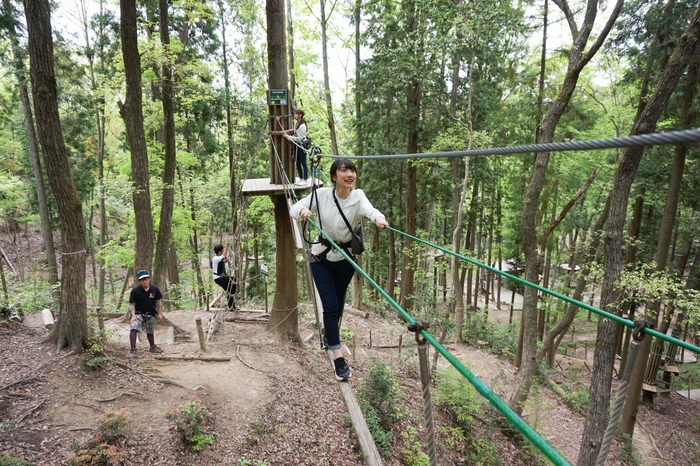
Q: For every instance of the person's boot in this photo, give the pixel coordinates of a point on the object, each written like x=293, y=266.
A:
x=132, y=353
x=155, y=350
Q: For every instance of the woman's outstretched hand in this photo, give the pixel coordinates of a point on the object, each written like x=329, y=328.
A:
x=381, y=223
x=305, y=213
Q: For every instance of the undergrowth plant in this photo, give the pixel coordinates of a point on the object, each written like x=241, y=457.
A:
x=12, y=461
x=190, y=421
x=501, y=336
x=379, y=398
x=100, y=450
x=458, y=396
x=96, y=353
x=412, y=453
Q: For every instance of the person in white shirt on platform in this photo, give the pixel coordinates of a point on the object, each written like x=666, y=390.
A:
x=298, y=134
x=331, y=271
x=221, y=278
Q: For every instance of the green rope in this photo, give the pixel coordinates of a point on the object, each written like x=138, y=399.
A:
x=480, y=387
x=588, y=307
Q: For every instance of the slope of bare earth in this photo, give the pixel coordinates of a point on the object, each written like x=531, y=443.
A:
x=278, y=403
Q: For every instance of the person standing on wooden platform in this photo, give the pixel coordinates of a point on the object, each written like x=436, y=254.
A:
x=146, y=308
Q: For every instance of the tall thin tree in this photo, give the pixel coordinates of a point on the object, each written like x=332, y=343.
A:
x=71, y=328
x=131, y=111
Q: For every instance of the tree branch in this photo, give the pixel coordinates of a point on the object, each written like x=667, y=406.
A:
x=604, y=33
x=564, y=7
x=567, y=208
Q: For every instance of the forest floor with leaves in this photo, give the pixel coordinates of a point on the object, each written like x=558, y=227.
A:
x=280, y=404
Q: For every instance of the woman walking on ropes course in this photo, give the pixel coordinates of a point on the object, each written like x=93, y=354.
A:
x=337, y=207
x=297, y=138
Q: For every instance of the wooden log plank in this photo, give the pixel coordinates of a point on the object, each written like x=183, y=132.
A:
x=193, y=358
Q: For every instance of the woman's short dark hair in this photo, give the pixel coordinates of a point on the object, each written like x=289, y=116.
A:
x=340, y=163
x=218, y=248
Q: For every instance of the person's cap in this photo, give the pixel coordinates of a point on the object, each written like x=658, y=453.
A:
x=142, y=274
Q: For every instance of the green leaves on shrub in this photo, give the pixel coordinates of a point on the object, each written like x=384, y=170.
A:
x=379, y=398
x=456, y=394
x=190, y=421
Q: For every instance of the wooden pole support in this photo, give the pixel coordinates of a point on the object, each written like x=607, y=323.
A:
x=200, y=334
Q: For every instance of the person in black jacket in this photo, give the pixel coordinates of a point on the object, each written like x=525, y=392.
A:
x=146, y=308
x=221, y=278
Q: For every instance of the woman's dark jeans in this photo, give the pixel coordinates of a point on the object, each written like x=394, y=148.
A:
x=302, y=166
x=332, y=280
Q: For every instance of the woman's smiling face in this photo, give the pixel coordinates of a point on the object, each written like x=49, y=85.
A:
x=344, y=176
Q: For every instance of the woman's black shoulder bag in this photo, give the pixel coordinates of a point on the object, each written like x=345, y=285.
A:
x=357, y=243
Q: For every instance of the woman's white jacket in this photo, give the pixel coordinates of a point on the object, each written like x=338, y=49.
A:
x=356, y=207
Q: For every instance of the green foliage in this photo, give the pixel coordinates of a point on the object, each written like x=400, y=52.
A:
x=412, y=454
x=458, y=396
x=380, y=435
x=346, y=333
x=190, y=421
x=112, y=423
x=380, y=390
x=100, y=449
x=96, y=354
x=627, y=453
x=379, y=398
x=688, y=378
x=6, y=424
x=247, y=462
x=97, y=362
x=577, y=399
x=501, y=336
x=12, y=461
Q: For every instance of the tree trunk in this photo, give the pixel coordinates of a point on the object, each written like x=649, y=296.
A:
x=458, y=199
x=233, y=191
x=662, y=248
x=160, y=267
x=326, y=81
x=20, y=73
x=283, y=323
x=132, y=113
x=357, y=282
x=71, y=329
x=290, y=47
x=533, y=260
x=646, y=123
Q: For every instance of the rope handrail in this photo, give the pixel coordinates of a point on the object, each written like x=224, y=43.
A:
x=671, y=137
x=618, y=319
x=554, y=456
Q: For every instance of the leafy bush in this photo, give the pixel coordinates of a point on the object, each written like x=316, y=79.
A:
x=460, y=398
x=379, y=390
x=100, y=449
x=412, y=453
x=12, y=461
x=502, y=337
x=379, y=399
x=380, y=435
x=111, y=425
x=190, y=422
x=94, y=452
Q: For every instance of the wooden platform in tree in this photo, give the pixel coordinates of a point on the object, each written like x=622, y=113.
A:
x=263, y=187
x=654, y=388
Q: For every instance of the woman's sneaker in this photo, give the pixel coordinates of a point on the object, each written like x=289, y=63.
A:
x=342, y=371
